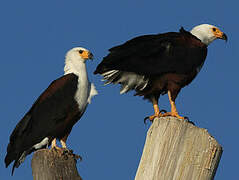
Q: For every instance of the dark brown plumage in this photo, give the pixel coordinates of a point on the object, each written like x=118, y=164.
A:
x=155, y=64
x=46, y=118
x=54, y=113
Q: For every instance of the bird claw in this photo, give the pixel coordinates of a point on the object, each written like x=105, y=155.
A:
x=162, y=111
x=151, y=118
x=79, y=157
x=145, y=119
x=56, y=148
x=187, y=119
x=66, y=151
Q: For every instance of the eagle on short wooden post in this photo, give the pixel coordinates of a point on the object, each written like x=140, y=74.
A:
x=54, y=113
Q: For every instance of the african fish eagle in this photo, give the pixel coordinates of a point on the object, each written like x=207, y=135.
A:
x=54, y=113
x=153, y=65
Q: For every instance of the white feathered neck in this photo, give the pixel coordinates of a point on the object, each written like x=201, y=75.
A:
x=86, y=90
x=75, y=64
x=204, y=33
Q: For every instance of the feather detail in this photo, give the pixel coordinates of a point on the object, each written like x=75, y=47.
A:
x=128, y=80
x=93, y=92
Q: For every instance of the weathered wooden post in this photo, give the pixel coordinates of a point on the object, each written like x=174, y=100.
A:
x=54, y=165
x=177, y=150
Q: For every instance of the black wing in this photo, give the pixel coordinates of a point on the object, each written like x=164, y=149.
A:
x=156, y=54
x=44, y=117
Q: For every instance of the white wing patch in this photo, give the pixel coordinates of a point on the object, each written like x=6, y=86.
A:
x=44, y=142
x=109, y=73
x=128, y=80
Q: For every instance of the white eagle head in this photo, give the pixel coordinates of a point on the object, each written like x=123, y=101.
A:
x=79, y=53
x=208, y=33
x=76, y=58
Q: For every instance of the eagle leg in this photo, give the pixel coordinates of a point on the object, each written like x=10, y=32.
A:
x=174, y=111
x=53, y=145
x=65, y=149
x=157, y=113
x=63, y=141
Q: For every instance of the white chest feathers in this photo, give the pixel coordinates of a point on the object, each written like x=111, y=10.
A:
x=85, y=91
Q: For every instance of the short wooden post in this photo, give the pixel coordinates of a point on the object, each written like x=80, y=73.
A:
x=177, y=150
x=54, y=165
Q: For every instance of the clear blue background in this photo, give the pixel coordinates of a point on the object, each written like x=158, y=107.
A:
x=35, y=35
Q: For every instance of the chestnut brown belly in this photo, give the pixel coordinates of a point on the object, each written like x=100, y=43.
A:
x=167, y=82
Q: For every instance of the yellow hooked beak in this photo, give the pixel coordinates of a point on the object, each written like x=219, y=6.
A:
x=219, y=34
x=86, y=54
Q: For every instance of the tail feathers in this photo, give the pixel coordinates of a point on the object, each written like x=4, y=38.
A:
x=18, y=159
x=111, y=76
x=9, y=158
x=128, y=80
x=11, y=154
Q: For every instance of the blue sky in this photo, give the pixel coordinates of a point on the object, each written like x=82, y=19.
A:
x=35, y=36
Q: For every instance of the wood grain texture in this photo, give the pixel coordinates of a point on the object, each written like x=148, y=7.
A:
x=54, y=165
x=178, y=150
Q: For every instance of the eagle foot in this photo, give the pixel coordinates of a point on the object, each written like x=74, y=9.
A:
x=62, y=151
x=177, y=116
x=56, y=148
x=65, y=152
x=174, y=114
x=151, y=118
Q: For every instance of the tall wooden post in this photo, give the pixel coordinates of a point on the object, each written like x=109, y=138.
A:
x=54, y=165
x=178, y=150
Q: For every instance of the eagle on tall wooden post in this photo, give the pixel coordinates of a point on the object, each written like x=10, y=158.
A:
x=54, y=113
x=154, y=65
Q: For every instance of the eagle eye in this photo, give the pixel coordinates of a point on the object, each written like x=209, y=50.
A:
x=80, y=51
x=214, y=29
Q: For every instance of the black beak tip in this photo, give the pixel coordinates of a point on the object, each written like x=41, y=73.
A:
x=224, y=37
x=91, y=56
